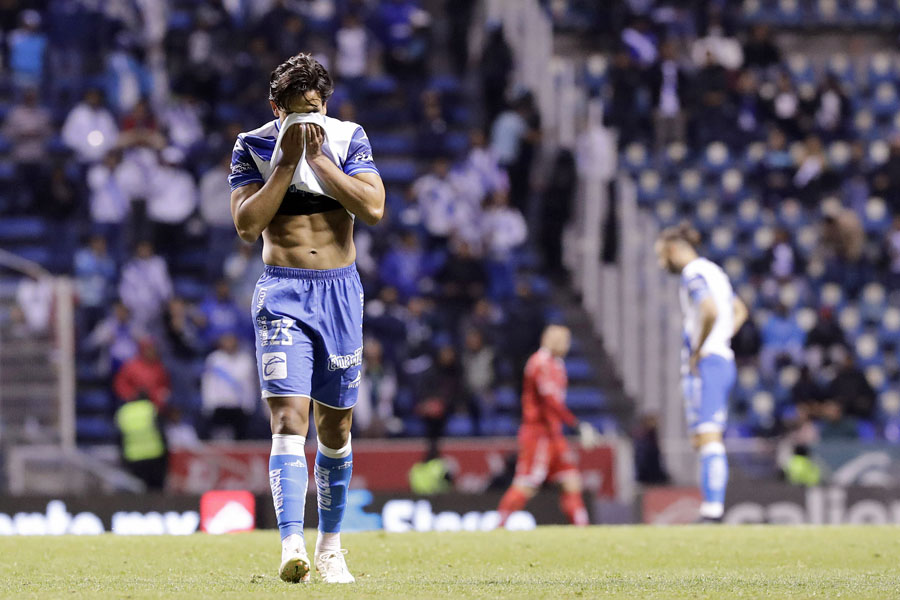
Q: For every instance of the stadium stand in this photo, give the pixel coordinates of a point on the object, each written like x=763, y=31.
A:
x=787, y=165
x=97, y=115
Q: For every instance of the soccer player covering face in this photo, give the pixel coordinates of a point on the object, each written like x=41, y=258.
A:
x=544, y=453
x=712, y=315
x=300, y=181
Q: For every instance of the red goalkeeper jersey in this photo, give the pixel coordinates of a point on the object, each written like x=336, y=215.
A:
x=544, y=394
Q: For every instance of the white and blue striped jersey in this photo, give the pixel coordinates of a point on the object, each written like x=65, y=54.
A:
x=702, y=278
x=346, y=143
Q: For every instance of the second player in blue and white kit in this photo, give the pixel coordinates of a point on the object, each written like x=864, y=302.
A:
x=712, y=315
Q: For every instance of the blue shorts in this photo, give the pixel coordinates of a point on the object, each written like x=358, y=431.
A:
x=706, y=396
x=309, y=333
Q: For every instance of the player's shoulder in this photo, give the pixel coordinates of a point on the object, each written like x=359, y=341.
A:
x=342, y=130
x=700, y=267
x=268, y=130
x=537, y=360
x=262, y=139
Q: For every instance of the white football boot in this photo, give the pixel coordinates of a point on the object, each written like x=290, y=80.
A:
x=294, y=560
x=332, y=567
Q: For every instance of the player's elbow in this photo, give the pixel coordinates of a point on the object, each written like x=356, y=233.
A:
x=373, y=215
x=246, y=233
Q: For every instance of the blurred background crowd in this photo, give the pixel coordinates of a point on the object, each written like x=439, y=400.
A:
x=118, y=124
x=772, y=126
x=118, y=120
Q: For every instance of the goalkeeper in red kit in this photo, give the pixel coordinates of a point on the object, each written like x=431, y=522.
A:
x=544, y=453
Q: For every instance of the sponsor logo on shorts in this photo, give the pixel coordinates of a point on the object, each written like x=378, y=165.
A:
x=274, y=365
x=261, y=297
x=356, y=380
x=346, y=361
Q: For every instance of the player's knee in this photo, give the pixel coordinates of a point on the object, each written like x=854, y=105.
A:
x=707, y=437
x=288, y=420
x=333, y=428
x=571, y=484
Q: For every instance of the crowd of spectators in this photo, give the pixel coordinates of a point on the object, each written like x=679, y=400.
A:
x=120, y=124
x=783, y=145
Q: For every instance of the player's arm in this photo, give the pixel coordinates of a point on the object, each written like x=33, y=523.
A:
x=707, y=313
x=552, y=396
x=740, y=314
x=361, y=194
x=254, y=205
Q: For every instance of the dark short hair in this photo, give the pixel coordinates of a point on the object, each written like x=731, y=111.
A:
x=297, y=76
x=683, y=232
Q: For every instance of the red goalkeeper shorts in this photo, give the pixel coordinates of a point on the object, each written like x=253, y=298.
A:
x=543, y=458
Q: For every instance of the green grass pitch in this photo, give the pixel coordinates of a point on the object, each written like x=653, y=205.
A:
x=551, y=562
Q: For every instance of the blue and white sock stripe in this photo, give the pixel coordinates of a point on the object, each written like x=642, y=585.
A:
x=288, y=478
x=333, y=471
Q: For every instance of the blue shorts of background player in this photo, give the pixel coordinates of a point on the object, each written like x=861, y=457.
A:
x=309, y=334
x=706, y=394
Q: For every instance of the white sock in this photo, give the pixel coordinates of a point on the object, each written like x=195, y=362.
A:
x=292, y=544
x=328, y=542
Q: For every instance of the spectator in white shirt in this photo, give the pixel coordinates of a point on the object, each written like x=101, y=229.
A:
x=352, y=49
x=503, y=229
x=229, y=388
x=172, y=193
x=145, y=285
x=436, y=198
x=109, y=202
x=90, y=130
x=171, y=199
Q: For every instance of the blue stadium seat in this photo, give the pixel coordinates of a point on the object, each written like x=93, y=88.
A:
x=456, y=143
x=21, y=229
x=828, y=12
x=596, y=70
x=94, y=401
x=392, y=143
x=445, y=84
x=866, y=12
x=707, y=214
x=868, y=351
x=95, y=430
x=635, y=157
x=841, y=67
x=579, y=368
x=881, y=69
x=382, y=85
x=866, y=431
x=459, y=426
x=716, y=157
x=876, y=217
x=800, y=68
x=413, y=427
x=401, y=172
x=690, y=185
x=650, y=187
x=884, y=99
x=505, y=398
x=502, y=425
x=190, y=288
x=585, y=398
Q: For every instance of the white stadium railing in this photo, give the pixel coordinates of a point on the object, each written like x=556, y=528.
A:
x=37, y=395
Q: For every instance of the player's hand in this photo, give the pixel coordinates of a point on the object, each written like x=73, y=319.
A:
x=588, y=436
x=314, y=137
x=694, y=363
x=292, y=146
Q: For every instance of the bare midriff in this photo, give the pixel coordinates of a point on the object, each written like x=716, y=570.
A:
x=318, y=241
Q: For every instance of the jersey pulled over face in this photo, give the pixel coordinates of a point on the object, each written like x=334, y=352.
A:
x=544, y=394
x=700, y=279
x=345, y=143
